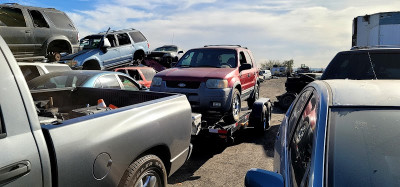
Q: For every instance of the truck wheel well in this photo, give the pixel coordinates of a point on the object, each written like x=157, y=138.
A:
x=91, y=65
x=239, y=88
x=59, y=46
x=138, y=57
x=162, y=152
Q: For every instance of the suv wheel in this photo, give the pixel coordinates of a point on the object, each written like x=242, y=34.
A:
x=138, y=59
x=254, y=98
x=234, y=111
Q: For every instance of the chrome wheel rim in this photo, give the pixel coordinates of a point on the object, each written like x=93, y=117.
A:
x=149, y=180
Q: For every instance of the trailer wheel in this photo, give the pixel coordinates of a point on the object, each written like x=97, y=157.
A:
x=286, y=100
x=148, y=170
x=254, y=98
x=262, y=125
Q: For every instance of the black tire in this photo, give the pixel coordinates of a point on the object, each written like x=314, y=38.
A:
x=254, y=97
x=91, y=65
x=234, y=111
x=262, y=125
x=286, y=100
x=138, y=59
x=148, y=170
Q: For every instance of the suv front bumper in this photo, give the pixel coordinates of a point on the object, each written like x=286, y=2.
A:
x=202, y=99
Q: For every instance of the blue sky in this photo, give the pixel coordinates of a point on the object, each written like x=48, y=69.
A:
x=310, y=32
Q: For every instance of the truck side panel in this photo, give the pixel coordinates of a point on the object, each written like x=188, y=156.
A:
x=124, y=135
x=20, y=158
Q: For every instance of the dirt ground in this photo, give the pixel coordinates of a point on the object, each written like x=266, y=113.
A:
x=213, y=164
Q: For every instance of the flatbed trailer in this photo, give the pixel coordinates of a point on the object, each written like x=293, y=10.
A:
x=257, y=118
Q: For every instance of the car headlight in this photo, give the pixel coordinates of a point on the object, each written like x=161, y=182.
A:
x=71, y=63
x=156, y=81
x=216, y=83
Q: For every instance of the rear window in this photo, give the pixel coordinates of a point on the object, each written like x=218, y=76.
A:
x=57, y=81
x=57, y=68
x=60, y=20
x=11, y=17
x=148, y=74
x=365, y=65
x=364, y=147
x=137, y=37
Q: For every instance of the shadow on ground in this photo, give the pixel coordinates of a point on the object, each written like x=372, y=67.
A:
x=204, y=149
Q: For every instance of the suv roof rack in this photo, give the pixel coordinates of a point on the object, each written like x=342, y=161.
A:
x=121, y=30
x=225, y=45
x=374, y=46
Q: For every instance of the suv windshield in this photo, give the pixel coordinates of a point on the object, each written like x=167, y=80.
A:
x=363, y=147
x=167, y=48
x=364, y=65
x=218, y=58
x=91, y=42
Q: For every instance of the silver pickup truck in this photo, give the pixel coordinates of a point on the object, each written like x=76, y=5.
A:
x=140, y=143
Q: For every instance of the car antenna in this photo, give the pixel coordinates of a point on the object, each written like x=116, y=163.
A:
x=108, y=30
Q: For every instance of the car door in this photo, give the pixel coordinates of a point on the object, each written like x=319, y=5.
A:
x=41, y=29
x=111, y=56
x=253, y=71
x=20, y=164
x=125, y=47
x=16, y=30
x=244, y=75
x=301, y=139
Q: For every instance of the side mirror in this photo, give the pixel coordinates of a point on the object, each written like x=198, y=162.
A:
x=179, y=52
x=106, y=43
x=259, y=177
x=244, y=66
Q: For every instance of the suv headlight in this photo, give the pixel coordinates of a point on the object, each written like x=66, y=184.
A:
x=216, y=83
x=156, y=81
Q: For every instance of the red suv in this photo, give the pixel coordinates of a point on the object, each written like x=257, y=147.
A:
x=214, y=79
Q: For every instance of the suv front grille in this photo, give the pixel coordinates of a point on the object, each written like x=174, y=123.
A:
x=183, y=84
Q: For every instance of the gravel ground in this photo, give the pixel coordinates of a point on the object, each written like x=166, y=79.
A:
x=213, y=164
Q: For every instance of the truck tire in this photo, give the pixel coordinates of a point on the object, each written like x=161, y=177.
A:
x=234, y=111
x=148, y=170
x=262, y=125
x=254, y=97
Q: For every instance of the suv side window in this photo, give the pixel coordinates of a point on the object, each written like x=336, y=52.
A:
x=242, y=58
x=137, y=36
x=60, y=20
x=38, y=19
x=112, y=40
x=248, y=58
x=301, y=143
x=296, y=111
x=11, y=17
x=109, y=81
x=123, y=39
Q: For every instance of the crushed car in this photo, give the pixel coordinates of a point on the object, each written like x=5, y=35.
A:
x=165, y=55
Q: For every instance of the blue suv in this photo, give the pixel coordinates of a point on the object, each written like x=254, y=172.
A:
x=109, y=50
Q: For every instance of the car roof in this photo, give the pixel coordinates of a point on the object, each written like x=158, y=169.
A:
x=28, y=7
x=86, y=72
x=363, y=92
x=377, y=49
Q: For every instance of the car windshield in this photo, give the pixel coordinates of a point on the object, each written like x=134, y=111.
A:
x=218, y=58
x=91, y=42
x=364, y=147
x=364, y=65
x=167, y=48
x=57, y=80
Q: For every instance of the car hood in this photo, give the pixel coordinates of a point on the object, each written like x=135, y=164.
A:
x=72, y=56
x=195, y=74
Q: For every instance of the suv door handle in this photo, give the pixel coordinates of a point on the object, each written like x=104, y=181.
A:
x=15, y=170
x=27, y=31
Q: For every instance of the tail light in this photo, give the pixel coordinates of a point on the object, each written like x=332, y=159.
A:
x=148, y=45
